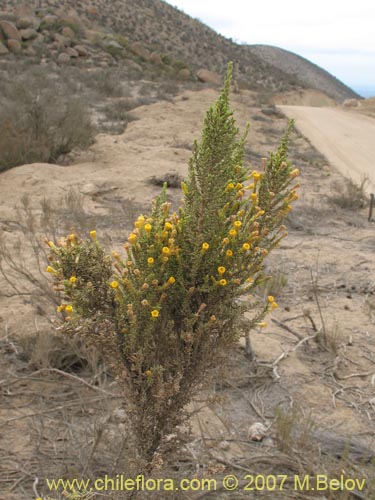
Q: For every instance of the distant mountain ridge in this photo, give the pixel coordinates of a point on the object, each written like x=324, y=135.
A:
x=312, y=75
x=165, y=30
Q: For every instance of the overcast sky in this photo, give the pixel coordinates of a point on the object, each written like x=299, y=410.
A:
x=337, y=35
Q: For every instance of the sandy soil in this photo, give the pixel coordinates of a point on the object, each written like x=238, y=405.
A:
x=345, y=137
x=54, y=426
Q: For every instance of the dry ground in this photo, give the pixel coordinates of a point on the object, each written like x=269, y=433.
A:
x=312, y=384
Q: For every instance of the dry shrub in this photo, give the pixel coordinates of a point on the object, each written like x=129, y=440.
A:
x=39, y=122
x=349, y=195
x=22, y=259
x=46, y=349
x=272, y=110
x=171, y=179
x=164, y=313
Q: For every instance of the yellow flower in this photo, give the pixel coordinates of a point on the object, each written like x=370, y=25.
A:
x=250, y=187
x=233, y=233
x=250, y=280
x=239, y=186
x=60, y=308
x=246, y=246
x=165, y=250
x=229, y=253
x=221, y=269
x=171, y=280
x=294, y=173
x=213, y=318
x=256, y=176
x=237, y=224
x=113, y=284
x=51, y=244
x=154, y=313
x=205, y=246
x=144, y=302
x=148, y=227
x=226, y=241
x=262, y=324
x=230, y=186
x=168, y=226
x=139, y=222
x=150, y=261
x=148, y=373
x=254, y=197
x=270, y=299
x=51, y=270
x=132, y=238
x=69, y=309
x=115, y=255
x=274, y=305
x=293, y=196
x=72, y=279
x=222, y=282
x=93, y=234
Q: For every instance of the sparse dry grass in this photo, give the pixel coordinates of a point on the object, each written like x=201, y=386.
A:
x=349, y=195
x=274, y=285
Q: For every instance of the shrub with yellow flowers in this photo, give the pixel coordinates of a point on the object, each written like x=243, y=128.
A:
x=165, y=309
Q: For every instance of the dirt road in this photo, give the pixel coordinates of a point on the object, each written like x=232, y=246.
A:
x=346, y=138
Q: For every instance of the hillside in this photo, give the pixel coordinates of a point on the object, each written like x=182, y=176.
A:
x=138, y=30
x=308, y=73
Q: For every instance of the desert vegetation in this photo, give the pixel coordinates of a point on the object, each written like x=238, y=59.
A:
x=299, y=342
x=168, y=308
x=84, y=104
x=30, y=132
x=112, y=105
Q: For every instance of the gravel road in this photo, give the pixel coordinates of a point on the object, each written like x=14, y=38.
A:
x=346, y=138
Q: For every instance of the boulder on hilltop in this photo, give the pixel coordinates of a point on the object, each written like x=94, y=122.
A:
x=206, y=76
x=14, y=46
x=3, y=49
x=9, y=30
x=28, y=34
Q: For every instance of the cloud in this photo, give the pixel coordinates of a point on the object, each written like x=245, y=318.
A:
x=337, y=35
x=355, y=69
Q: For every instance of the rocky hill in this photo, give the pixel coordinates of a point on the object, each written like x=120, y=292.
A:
x=96, y=32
